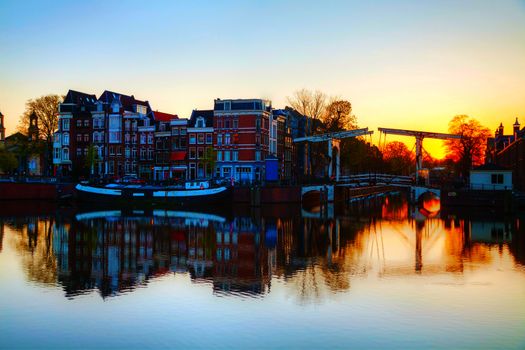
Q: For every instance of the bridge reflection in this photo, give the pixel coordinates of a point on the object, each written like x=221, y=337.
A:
x=116, y=251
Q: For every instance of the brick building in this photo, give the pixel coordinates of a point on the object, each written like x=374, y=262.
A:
x=200, y=147
x=241, y=129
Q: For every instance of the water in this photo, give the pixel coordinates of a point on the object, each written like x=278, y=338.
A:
x=378, y=274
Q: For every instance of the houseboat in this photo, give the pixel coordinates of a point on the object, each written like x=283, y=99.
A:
x=192, y=192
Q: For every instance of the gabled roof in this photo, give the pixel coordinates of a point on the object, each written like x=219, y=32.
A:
x=164, y=117
x=127, y=101
x=206, y=114
x=80, y=98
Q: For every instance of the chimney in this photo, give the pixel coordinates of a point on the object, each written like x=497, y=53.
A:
x=516, y=128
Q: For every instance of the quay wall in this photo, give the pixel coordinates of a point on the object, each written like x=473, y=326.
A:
x=34, y=191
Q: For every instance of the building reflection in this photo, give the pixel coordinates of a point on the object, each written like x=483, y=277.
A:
x=114, y=252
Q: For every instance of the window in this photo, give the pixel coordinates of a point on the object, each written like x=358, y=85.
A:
x=79, y=123
x=227, y=124
x=127, y=152
x=219, y=139
x=134, y=153
x=142, y=154
x=175, y=131
x=126, y=138
x=257, y=155
x=115, y=108
x=65, y=154
x=258, y=124
x=227, y=139
x=65, y=124
x=86, y=123
x=209, y=138
x=497, y=178
x=219, y=155
x=66, y=139
x=235, y=123
x=200, y=123
x=57, y=138
x=192, y=152
x=114, y=137
x=79, y=137
x=114, y=122
x=86, y=137
x=56, y=153
x=192, y=139
x=142, y=139
x=150, y=139
x=79, y=152
x=200, y=138
x=150, y=154
x=183, y=131
x=235, y=155
x=227, y=156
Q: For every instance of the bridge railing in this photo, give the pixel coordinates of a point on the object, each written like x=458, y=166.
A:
x=372, y=178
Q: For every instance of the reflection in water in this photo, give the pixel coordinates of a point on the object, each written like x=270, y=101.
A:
x=117, y=251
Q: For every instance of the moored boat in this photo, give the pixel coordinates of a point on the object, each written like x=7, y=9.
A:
x=190, y=192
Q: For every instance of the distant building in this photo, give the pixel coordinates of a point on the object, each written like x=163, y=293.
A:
x=509, y=151
x=73, y=137
x=242, y=138
x=179, y=148
x=490, y=177
x=163, y=169
x=200, y=148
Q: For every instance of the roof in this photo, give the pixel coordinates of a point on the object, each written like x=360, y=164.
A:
x=164, y=117
x=490, y=167
x=127, y=101
x=206, y=114
x=80, y=98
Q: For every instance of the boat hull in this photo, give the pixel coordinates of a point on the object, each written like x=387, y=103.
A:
x=125, y=194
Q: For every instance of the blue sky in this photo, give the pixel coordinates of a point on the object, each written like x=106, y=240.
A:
x=401, y=63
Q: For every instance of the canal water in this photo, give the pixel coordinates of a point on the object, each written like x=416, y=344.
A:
x=377, y=274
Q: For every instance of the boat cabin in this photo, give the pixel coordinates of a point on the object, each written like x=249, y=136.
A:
x=196, y=185
x=490, y=177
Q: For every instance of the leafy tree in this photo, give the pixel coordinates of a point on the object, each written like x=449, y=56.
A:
x=210, y=156
x=399, y=159
x=470, y=149
x=8, y=161
x=46, y=110
x=90, y=160
x=338, y=116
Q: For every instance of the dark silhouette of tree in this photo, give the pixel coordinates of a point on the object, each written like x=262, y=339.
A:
x=338, y=116
x=8, y=161
x=470, y=149
x=398, y=158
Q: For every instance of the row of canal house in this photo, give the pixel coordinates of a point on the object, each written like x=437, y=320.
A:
x=117, y=135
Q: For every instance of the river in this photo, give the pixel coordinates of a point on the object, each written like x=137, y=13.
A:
x=376, y=274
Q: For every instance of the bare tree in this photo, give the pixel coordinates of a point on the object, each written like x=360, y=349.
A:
x=308, y=103
x=46, y=110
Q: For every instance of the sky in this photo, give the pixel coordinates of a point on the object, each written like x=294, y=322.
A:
x=402, y=64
